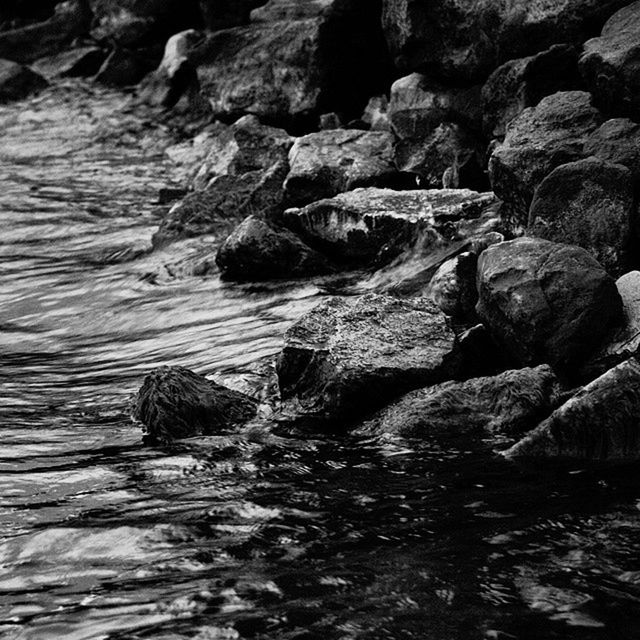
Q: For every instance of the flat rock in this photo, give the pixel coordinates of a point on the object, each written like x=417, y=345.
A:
x=18, y=81
x=349, y=356
x=618, y=141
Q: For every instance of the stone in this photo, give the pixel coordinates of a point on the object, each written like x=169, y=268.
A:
x=376, y=114
x=522, y=83
x=349, y=356
x=175, y=402
x=453, y=286
x=18, y=81
x=14, y=13
x=537, y=141
x=125, y=67
x=223, y=14
x=617, y=141
x=507, y=405
x=327, y=163
x=601, y=422
x=275, y=10
x=78, y=62
x=257, y=250
x=360, y=224
x=545, y=302
x=610, y=64
x=589, y=203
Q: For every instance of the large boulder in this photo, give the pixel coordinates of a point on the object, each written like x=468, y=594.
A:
x=540, y=139
x=589, y=203
x=508, y=404
x=545, y=302
x=258, y=250
x=610, y=64
x=600, y=423
x=617, y=141
x=175, y=402
x=18, y=81
x=349, y=356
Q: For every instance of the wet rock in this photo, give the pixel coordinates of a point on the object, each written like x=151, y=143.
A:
x=617, y=141
x=610, y=64
x=257, y=250
x=600, y=422
x=349, y=356
x=545, y=302
x=376, y=114
x=18, y=81
x=589, y=203
x=79, y=62
x=359, y=224
x=522, y=83
x=175, y=402
x=327, y=163
x=540, y=139
x=508, y=404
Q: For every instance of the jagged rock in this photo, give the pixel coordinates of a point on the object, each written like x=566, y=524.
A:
x=349, y=356
x=18, y=81
x=222, y=14
x=79, y=62
x=126, y=67
x=610, y=64
x=257, y=250
x=508, y=404
x=540, y=139
x=327, y=163
x=600, y=422
x=617, y=141
x=376, y=114
x=174, y=402
x=589, y=203
x=359, y=224
x=545, y=302
x=522, y=83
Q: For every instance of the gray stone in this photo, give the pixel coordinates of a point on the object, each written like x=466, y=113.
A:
x=79, y=62
x=617, y=141
x=18, y=81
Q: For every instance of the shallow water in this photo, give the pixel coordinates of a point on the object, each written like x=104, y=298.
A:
x=252, y=535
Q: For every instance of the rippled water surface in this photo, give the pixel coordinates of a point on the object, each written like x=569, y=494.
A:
x=251, y=535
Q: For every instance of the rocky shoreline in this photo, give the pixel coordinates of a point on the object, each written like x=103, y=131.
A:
x=495, y=146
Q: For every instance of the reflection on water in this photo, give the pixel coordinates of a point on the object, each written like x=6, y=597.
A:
x=252, y=535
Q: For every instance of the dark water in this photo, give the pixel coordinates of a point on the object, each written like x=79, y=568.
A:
x=246, y=536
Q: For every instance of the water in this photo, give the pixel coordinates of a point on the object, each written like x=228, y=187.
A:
x=248, y=535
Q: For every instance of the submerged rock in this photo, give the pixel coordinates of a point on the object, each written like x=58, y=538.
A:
x=18, y=81
x=349, y=356
x=175, y=402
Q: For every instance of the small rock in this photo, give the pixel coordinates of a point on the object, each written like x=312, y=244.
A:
x=376, y=114
x=453, y=286
x=18, y=81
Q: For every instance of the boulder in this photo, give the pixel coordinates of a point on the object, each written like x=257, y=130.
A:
x=522, y=83
x=126, y=67
x=589, y=203
x=327, y=163
x=617, y=141
x=360, y=224
x=537, y=141
x=258, y=250
x=545, y=302
x=599, y=423
x=18, y=81
x=223, y=14
x=349, y=356
x=275, y=10
x=78, y=62
x=508, y=404
x=175, y=402
x=610, y=64
x=453, y=286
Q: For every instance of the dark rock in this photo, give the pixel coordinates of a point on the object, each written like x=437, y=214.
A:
x=257, y=250
x=18, y=13
x=126, y=67
x=589, y=203
x=508, y=404
x=327, y=163
x=79, y=62
x=18, y=81
x=349, y=356
x=540, y=139
x=223, y=14
x=376, y=114
x=600, y=423
x=610, y=64
x=174, y=402
x=545, y=302
x=481, y=356
x=522, y=83
x=453, y=286
x=617, y=141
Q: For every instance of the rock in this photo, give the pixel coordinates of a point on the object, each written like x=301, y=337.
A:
x=376, y=114
x=453, y=286
x=125, y=67
x=18, y=81
x=610, y=64
x=600, y=422
x=589, y=203
x=174, y=402
x=349, y=356
x=223, y=14
x=481, y=356
x=14, y=14
x=508, y=404
x=545, y=302
x=540, y=139
x=257, y=250
x=275, y=10
x=358, y=225
x=522, y=83
x=617, y=141
x=327, y=163
x=79, y=62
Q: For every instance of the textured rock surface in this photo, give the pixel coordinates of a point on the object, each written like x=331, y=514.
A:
x=174, y=402
x=453, y=286
x=79, y=62
x=508, y=404
x=126, y=67
x=617, y=141
x=545, y=302
x=18, y=81
x=348, y=356
x=600, y=422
